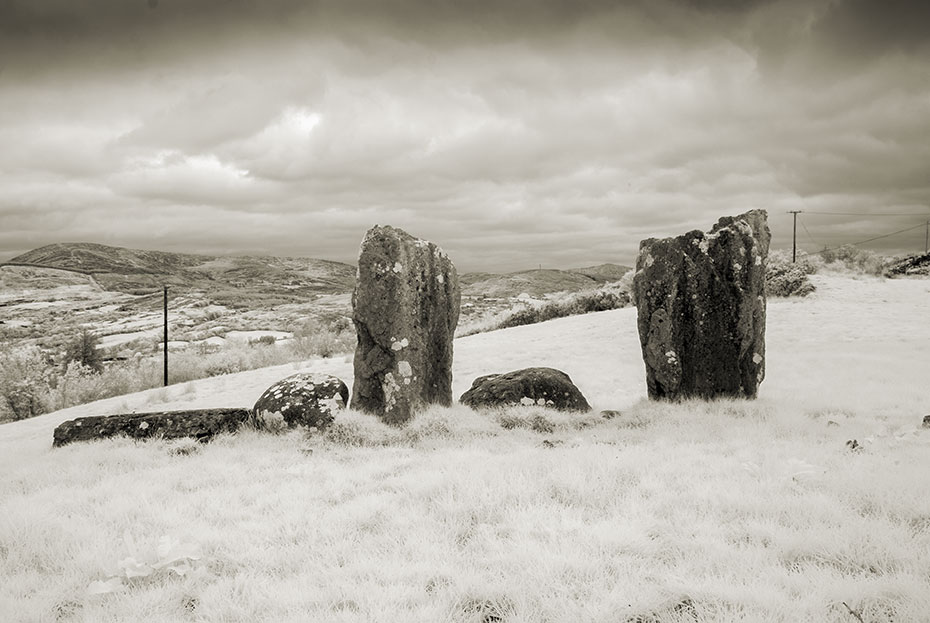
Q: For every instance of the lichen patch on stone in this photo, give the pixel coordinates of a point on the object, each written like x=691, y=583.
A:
x=389, y=387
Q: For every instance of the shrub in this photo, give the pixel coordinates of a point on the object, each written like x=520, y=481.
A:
x=84, y=350
x=849, y=258
x=24, y=384
x=786, y=278
x=265, y=340
x=918, y=264
x=323, y=339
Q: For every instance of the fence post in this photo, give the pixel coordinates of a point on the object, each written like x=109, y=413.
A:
x=166, y=336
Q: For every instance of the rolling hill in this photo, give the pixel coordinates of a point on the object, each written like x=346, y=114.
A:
x=537, y=283
x=134, y=271
x=49, y=294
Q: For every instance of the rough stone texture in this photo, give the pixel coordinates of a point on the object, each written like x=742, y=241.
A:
x=700, y=303
x=545, y=387
x=926, y=422
x=303, y=399
x=201, y=424
x=405, y=309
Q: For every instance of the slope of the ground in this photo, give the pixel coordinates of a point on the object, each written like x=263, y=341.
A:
x=727, y=511
x=853, y=344
x=538, y=283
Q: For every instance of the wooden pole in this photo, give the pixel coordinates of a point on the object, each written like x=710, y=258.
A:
x=794, y=236
x=166, y=336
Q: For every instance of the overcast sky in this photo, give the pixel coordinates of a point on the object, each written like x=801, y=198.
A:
x=514, y=134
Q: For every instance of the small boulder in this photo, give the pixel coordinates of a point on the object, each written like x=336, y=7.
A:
x=926, y=423
x=544, y=387
x=303, y=399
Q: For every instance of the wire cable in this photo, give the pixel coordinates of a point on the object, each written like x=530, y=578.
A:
x=894, y=233
x=811, y=238
x=924, y=214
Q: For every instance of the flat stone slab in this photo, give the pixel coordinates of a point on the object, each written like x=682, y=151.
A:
x=200, y=424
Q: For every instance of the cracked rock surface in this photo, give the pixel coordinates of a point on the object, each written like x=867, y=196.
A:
x=405, y=308
x=700, y=300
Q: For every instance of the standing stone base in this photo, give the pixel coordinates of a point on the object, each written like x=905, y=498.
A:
x=700, y=302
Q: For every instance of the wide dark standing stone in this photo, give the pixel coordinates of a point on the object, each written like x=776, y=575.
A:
x=405, y=309
x=700, y=302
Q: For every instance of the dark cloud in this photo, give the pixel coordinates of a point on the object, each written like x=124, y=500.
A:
x=513, y=133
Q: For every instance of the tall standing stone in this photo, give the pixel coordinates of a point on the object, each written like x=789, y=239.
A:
x=700, y=302
x=405, y=309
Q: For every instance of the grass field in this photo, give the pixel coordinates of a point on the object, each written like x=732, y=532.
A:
x=723, y=511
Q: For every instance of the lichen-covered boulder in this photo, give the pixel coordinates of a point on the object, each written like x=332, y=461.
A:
x=544, y=387
x=405, y=308
x=303, y=399
x=700, y=302
x=200, y=424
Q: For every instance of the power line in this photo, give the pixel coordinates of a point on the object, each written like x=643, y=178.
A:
x=807, y=232
x=924, y=214
x=894, y=233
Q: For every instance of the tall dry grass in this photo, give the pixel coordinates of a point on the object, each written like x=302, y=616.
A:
x=723, y=511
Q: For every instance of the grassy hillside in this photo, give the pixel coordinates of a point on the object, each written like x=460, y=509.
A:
x=135, y=271
x=723, y=511
x=538, y=283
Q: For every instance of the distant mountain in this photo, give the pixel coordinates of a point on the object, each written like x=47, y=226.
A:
x=245, y=281
x=135, y=271
x=540, y=282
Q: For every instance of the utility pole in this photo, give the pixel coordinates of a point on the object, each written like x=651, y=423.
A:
x=794, y=236
x=166, y=337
